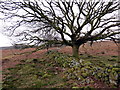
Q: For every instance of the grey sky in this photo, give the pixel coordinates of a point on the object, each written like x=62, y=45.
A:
x=4, y=40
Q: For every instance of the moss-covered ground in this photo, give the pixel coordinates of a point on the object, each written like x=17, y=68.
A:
x=58, y=70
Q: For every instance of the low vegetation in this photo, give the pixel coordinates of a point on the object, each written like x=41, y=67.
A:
x=58, y=70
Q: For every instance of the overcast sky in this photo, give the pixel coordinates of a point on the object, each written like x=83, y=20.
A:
x=4, y=40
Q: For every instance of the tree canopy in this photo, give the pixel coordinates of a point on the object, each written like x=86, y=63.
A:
x=70, y=22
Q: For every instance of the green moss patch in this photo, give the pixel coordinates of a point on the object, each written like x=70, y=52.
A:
x=58, y=70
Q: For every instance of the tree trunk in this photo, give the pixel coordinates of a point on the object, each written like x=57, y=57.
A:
x=75, y=50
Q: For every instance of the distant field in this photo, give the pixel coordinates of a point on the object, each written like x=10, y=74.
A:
x=99, y=54
x=106, y=48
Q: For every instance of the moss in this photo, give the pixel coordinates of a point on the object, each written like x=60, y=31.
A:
x=84, y=75
x=88, y=87
x=112, y=59
x=29, y=60
x=38, y=84
x=116, y=69
x=46, y=76
x=109, y=66
x=40, y=74
x=109, y=70
x=75, y=87
x=80, y=78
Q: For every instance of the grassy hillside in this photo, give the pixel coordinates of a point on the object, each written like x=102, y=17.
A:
x=58, y=70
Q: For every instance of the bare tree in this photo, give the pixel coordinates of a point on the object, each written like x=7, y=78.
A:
x=75, y=21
